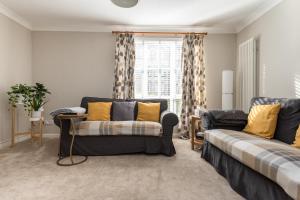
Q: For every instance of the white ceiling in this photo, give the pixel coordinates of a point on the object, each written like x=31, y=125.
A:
x=218, y=15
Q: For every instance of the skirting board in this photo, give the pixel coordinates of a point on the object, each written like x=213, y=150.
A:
x=7, y=143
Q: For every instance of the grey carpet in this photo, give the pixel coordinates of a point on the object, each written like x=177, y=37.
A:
x=29, y=172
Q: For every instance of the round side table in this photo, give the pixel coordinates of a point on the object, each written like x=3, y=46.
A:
x=71, y=117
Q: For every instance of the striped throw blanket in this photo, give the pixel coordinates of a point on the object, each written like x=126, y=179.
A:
x=277, y=161
x=144, y=128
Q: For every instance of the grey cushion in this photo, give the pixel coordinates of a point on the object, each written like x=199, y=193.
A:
x=123, y=111
x=288, y=121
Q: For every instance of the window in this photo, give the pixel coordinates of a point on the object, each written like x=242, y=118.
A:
x=158, y=70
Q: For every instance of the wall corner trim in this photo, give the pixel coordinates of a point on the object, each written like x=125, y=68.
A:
x=14, y=16
x=260, y=11
x=109, y=28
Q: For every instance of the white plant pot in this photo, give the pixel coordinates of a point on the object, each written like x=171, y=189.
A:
x=36, y=114
x=20, y=100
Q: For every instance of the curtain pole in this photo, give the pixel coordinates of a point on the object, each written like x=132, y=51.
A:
x=159, y=33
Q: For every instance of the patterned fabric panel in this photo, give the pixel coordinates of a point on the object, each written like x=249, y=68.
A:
x=193, y=79
x=144, y=128
x=277, y=161
x=125, y=60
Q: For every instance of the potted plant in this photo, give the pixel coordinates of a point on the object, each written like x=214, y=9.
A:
x=36, y=99
x=33, y=97
x=17, y=94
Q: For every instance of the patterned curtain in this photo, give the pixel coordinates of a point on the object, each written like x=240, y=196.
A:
x=124, y=67
x=193, y=79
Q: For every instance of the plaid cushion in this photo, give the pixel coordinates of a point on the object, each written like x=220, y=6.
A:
x=277, y=161
x=144, y=128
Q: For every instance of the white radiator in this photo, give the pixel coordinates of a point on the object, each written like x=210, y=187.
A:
x=247, y=67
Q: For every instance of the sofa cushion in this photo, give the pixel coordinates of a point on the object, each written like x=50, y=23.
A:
x=288, y=121
x=163, y=102
x=273, y=159
x=148, y=112
x=262, y=120
x=297, y=138
x=141, y=128
x=99, y=111
x=288, y=117
x=123, y=111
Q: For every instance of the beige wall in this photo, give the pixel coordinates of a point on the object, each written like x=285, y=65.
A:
x=74, y=64
x=220, y=54
x=278, y=41
x=15, y=67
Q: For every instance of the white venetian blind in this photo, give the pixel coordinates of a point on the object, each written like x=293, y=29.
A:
x=158, y=70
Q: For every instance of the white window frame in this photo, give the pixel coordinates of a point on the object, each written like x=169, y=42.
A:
x=173, y=96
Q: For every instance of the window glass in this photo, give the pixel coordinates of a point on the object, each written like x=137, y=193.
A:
x=158, y=70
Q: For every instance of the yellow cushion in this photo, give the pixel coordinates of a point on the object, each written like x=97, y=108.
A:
x=148, y=112
x=262, y=120
x=99, y=111
x=297, y=139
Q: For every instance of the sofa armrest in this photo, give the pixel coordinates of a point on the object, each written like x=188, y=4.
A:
x=219, y=119
x=56, y=121
x=168, y=120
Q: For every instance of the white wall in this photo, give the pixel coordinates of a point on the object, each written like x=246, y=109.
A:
x=220, y=54
x=15, y=67
x=277, y=34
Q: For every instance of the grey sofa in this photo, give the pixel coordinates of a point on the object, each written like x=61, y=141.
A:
x=120, y=144
x=243, y=179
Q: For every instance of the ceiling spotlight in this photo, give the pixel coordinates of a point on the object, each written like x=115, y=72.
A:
x=125, y=3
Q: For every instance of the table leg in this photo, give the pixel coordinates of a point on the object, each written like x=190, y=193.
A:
x=73, y=133
x=31, y=131
x=13, y=130
x=193, y=133
x=71, y=149
x=41, y=131
x=72, y=142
